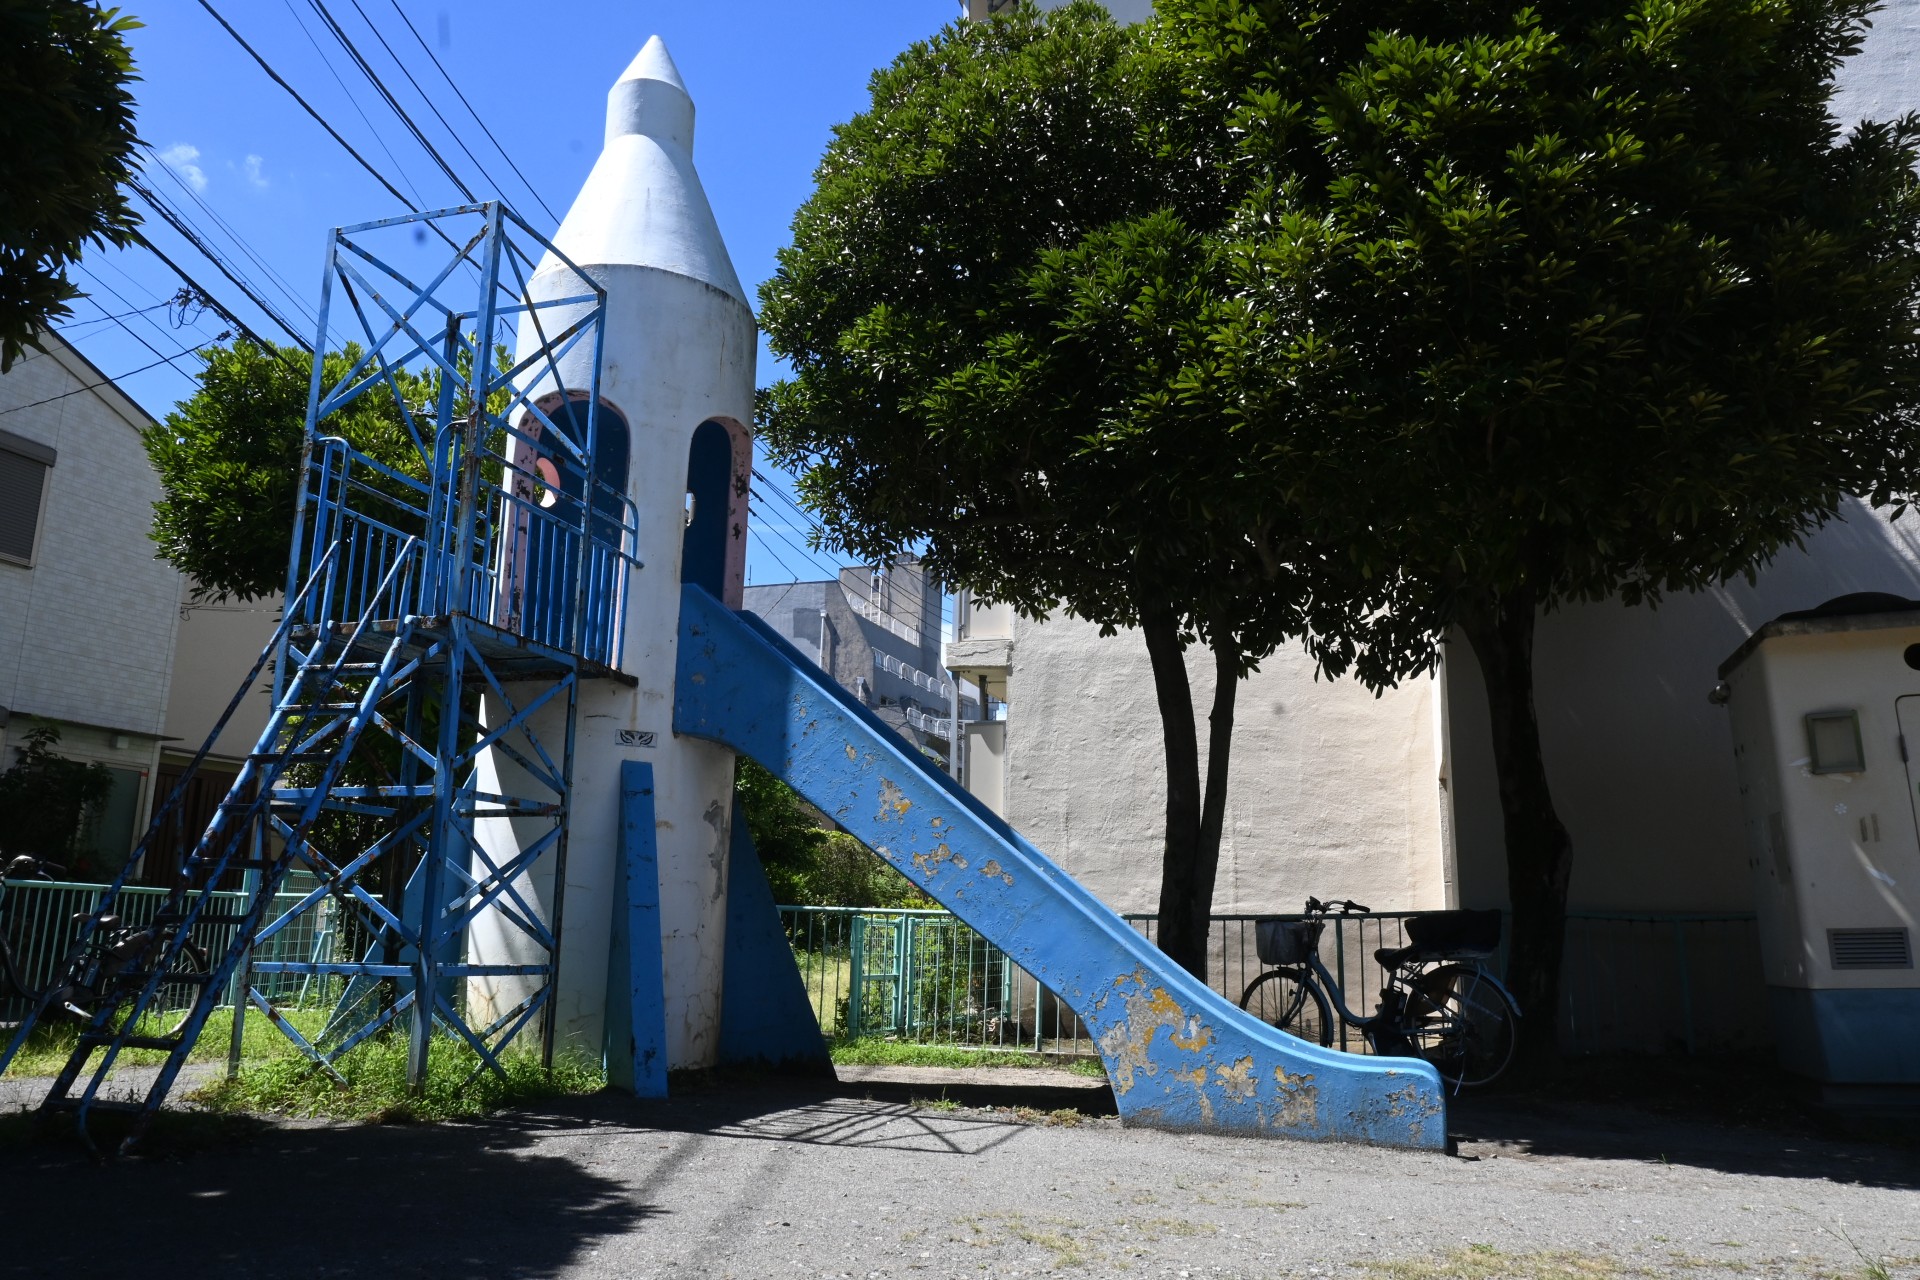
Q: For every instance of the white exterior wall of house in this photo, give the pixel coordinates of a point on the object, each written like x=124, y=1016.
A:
x=1332, y=791
x=87, y=631
x=1641, y=766
x=219, y=643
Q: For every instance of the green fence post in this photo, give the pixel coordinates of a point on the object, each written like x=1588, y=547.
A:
x=856, y=975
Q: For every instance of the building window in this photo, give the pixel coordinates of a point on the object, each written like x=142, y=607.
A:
x=24, y=465
x=1833, y=742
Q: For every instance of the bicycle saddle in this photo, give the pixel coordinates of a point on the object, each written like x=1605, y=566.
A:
x=1394, y=957
x=1445, y=935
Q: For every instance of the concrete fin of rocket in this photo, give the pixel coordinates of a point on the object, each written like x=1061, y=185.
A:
x=643, y=204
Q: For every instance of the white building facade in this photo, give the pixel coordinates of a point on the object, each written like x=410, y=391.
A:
x=88, y=616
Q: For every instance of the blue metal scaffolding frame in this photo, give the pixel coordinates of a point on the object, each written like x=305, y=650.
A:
x=438, y=602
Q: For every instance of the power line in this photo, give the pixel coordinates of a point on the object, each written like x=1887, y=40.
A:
x=380, y=88
x=318, y=118
x=82, y=324
x=451, y=132
x=279, y=281
x=352, y=100
x=95, y=386
x=124, y=326
x=179, y=224
x=452, y=84
x=246, y=331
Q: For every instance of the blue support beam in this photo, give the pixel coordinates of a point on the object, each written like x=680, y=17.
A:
x=636, y=992
x=766, y=1018
x=1178, y=1055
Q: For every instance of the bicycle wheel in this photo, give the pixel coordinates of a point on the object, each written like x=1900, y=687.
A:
x=1463, y=1022
x=1293, y=1002
x=190, y=963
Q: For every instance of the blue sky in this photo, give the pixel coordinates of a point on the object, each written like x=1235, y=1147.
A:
x=264, y=183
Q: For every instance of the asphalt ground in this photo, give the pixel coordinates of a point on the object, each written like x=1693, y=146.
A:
x=882, y=1177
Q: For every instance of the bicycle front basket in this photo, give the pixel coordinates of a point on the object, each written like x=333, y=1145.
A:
x=1286, y=941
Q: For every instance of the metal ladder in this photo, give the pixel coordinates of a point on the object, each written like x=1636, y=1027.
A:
x=326, y=704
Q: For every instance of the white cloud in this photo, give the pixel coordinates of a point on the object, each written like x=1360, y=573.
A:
x=255, y=170
x=180, y=158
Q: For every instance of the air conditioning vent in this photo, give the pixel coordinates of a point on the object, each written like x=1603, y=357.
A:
x=1870, y=948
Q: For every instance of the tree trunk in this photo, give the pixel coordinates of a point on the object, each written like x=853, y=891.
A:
x=1539, y=851
x=1190, y=853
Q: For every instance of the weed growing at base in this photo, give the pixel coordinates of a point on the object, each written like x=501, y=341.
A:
x=872, y=1051
x=376, y=1085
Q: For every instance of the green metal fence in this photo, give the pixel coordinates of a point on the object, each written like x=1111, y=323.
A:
x=1643, y=982
x=41, y=919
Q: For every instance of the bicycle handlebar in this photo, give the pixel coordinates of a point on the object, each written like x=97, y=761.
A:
x=1346, y=906
x=26, y=867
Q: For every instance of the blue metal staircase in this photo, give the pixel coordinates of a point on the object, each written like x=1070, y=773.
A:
x=437, y=611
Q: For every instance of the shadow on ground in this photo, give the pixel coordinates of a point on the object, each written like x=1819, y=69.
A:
x=1733, y=1116
x=211, y=1198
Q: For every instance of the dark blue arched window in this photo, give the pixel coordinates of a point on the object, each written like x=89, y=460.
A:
x=703, y=550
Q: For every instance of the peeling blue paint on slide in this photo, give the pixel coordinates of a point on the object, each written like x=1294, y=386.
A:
x=766, y=1019
x=636, y=983
x=1178, y=1055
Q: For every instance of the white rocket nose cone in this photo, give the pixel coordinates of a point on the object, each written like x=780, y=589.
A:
x=643, y=205
x=650, y=99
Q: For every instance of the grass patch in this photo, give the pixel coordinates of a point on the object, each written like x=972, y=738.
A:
x=873, y=1051
x=1484, y=1262
x=48, y=1048
x=376, y=1085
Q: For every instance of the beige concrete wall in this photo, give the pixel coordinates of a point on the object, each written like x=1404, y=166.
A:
x=219, y=644
x=1641, y=765
x=1332, y=791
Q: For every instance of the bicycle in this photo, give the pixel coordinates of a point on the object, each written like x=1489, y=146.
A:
x=107, y=969
x=1440, y=1002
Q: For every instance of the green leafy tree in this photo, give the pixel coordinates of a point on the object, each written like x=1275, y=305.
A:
x=808, y=864
x=1577, y=300
x=66, y=128
x=228, y=459
x=999, y=306
x=47, y=803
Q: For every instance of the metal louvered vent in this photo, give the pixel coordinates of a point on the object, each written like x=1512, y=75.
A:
x=1870, y=948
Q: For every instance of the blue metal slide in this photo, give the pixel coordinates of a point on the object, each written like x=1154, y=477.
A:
x=1178, y=1055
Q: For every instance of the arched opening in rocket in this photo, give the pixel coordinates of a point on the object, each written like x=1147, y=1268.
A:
x=554, y=487
x=703, y=548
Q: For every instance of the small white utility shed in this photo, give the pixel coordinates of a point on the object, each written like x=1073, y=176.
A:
x=1825, y=708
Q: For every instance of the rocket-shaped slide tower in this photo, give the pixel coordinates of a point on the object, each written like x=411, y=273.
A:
x=657, y=756
x=1178, y=1055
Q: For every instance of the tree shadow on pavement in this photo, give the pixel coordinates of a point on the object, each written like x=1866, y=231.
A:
x=402, y=1201
x=1734, y=1116
x=786, y=1110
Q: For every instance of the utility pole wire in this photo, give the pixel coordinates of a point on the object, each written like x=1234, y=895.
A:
x=454, y=85
x=95, y=386
x=322, y=120
x=179, y=224
x=246, y=330
x=451, y=132
x=406, y=179
x=379, y=87
x=318, y=118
